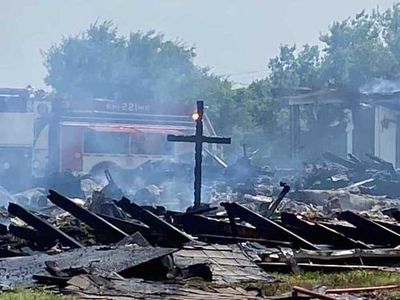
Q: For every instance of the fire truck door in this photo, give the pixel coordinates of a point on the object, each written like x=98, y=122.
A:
x=71, y=148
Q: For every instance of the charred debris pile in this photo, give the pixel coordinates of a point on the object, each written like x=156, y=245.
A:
x=88, y=239
x=372, y=175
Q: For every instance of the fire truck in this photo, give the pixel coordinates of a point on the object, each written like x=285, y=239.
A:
x=92, y=135
x=16, y=138
x=42, y=135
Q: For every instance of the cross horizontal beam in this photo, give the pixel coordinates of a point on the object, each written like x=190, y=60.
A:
x=195, y=139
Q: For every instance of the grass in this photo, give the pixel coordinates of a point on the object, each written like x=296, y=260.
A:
x=334, y=280
x=340, y=280
x=26, y=294
x=307, y=280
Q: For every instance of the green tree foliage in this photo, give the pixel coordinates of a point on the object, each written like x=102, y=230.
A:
x=291, y=70
x=353, y=52
x=99, y=63
x=144, y=67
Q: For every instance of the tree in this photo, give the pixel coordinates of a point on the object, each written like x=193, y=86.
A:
x=290, y=69
x=99, y=63
x=142, y=67
x=355, y=52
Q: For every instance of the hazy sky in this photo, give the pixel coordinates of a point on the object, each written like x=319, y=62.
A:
x=233, y=37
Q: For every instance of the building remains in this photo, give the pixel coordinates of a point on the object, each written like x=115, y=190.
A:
x=104, y=212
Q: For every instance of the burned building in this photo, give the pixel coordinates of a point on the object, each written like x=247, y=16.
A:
x=360, y=123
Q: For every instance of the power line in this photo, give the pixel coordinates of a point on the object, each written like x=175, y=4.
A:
x=247, y=72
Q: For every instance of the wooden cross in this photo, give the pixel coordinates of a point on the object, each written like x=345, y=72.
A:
x=198, y=139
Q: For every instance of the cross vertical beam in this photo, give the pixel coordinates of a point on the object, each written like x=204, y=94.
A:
x=198, y=152
x=198, y=139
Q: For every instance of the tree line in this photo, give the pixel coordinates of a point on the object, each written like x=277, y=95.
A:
x=144, y=66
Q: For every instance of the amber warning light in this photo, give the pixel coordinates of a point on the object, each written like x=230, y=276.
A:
x=195, y=116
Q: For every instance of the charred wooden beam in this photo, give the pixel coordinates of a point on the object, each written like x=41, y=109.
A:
x=321, y=234
x=341, y=161
x=197, y=225
x=192, y=212
x=223, y=239
x=381, y=234
x=232, y=223
x=274, y=205
x=385, y=165
x=19, y=271
x=266, y=226
x=350, y=231
x=43, y=226
x=101, y=226
x=3, y=229
x=127, y=226
x=393, y=213
x=5, y=253
x=174, y=235
x=31, y=234
x=50, y=280
x=354, y=158
x=394, y=227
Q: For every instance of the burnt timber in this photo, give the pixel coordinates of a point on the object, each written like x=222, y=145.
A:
x=265, y=226
x=320, y=234
x=17, y=271
x=173, y=234
x=42, y=226
x=30, y=234
x=380, y=234
x=128, y=226
x=103, y=227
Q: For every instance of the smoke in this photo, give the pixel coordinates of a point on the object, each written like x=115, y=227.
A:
x=381, y=86
x=5, y=197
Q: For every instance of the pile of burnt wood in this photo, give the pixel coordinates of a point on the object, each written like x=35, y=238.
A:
x=117, y=239
x=372, y=175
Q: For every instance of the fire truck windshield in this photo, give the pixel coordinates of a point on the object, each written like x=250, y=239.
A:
x=103, y=142
x=106, y=142
x=150, y=144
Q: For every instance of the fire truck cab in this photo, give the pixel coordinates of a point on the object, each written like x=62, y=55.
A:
x=16, y=138
x=90, y=136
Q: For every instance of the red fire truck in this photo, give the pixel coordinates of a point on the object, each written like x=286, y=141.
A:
x=89, y=135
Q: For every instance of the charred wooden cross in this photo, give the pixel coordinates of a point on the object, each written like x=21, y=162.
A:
x=198, y=139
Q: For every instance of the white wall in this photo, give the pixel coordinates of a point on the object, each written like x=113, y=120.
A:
x=385, y=133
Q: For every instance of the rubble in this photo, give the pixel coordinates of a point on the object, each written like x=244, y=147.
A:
x=42, y=226
x=96, y=287
x=104, y=243
x=228, y=264
x=19, y=271
x=374, y=176
x=171, y=233
x=107, y=230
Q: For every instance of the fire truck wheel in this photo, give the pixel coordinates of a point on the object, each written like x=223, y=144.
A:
x=98, y=169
